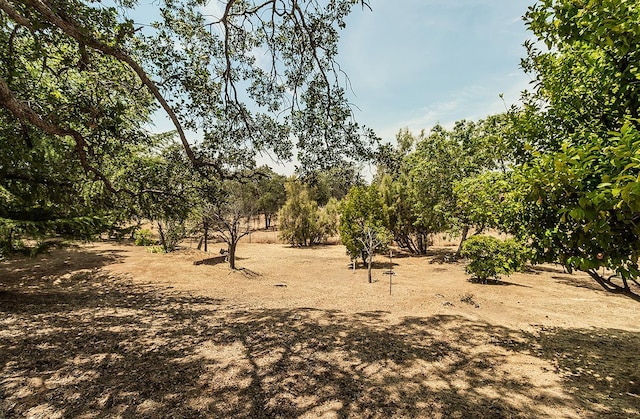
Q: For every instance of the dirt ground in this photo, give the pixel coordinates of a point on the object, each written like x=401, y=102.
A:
x=112, y=330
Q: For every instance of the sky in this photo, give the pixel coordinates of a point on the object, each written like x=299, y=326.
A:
x=416, y=63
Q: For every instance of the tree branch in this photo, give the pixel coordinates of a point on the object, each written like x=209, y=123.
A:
x=83, y=37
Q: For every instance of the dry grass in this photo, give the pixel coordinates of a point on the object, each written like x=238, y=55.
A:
x=113, y=331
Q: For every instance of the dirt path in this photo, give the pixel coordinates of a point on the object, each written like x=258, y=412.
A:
x=108, y=330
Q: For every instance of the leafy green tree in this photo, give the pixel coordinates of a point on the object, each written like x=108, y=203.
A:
x=171, y=63
x=580, y=127
x=482, y=202
x=586, y=77
x=64, y=131
x=417, y=177
x=398, y=205
x=585, y=203
x=436, y=164
x=335, y=182
x=271, y=194
x=301, y=221
x=168, y=173
x=362, y=224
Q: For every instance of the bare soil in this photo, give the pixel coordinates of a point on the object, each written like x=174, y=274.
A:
x=112, y=330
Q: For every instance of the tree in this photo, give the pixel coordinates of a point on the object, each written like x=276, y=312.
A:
x=230, y=216
x=482, y=202
x=80, y=80
x=175, y=60
x=302, y=222
x=398, y=205
x=334, y=182
x=584, y=204
x=166, y=171
x=271, y=194
x=417, y=177
x=64, y=131
x=491, y=257
x=586, y=78
x=362, y=224
x=578, y=183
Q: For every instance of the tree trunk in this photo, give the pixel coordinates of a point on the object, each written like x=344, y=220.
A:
x=10, y=244
x=613, y=288
x=163, y=242
x=267, y=221
x=465, y=233
x=232, y=254
x=369, y=262
x=421, y=245
x=206, y=235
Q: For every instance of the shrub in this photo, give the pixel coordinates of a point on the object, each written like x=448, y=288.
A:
x=155, y=249
x=302, y=222
x=490, y=257
x=143, y=237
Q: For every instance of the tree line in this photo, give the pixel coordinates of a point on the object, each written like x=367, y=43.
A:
x=559, y=172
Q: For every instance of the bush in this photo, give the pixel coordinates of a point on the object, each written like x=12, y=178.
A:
x=155, y=249
x=171, y=233
x=144, y=237
x=302, y=222
x=490, y=257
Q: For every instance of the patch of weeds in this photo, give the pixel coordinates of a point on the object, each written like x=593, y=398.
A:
x=143, y=237
x=155, y=249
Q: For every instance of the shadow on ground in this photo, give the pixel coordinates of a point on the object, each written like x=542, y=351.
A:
x=84, y=343
x=601, y=367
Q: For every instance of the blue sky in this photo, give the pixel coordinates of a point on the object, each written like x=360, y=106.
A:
x=415, y=63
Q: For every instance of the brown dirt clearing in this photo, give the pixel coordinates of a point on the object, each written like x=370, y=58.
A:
x=111, y=330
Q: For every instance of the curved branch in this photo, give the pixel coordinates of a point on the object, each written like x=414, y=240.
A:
x=82, y=37
x=24, y=113
x=611, y=287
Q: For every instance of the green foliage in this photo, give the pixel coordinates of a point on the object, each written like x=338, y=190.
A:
x=334, y=182
x=155, y=249
x=579, y=181
x=328, y=218
x=487, y=201
x=172, y=232
x=144, y=237
x=14, y=232
x=417, y=178
x=85, y=115
x=584, y=203
x=587, y=78
x=271, y=194
x=302, y=222
x=79, y=83
x=362, y=222
x=490, y=257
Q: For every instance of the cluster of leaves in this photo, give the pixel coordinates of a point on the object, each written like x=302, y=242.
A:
x=490, y=257
x=362, y=225
x=578, y=180
x=144, y=237
x=586, y=201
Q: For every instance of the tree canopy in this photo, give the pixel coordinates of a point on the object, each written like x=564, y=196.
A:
x=580, y=124
x=80, y=81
